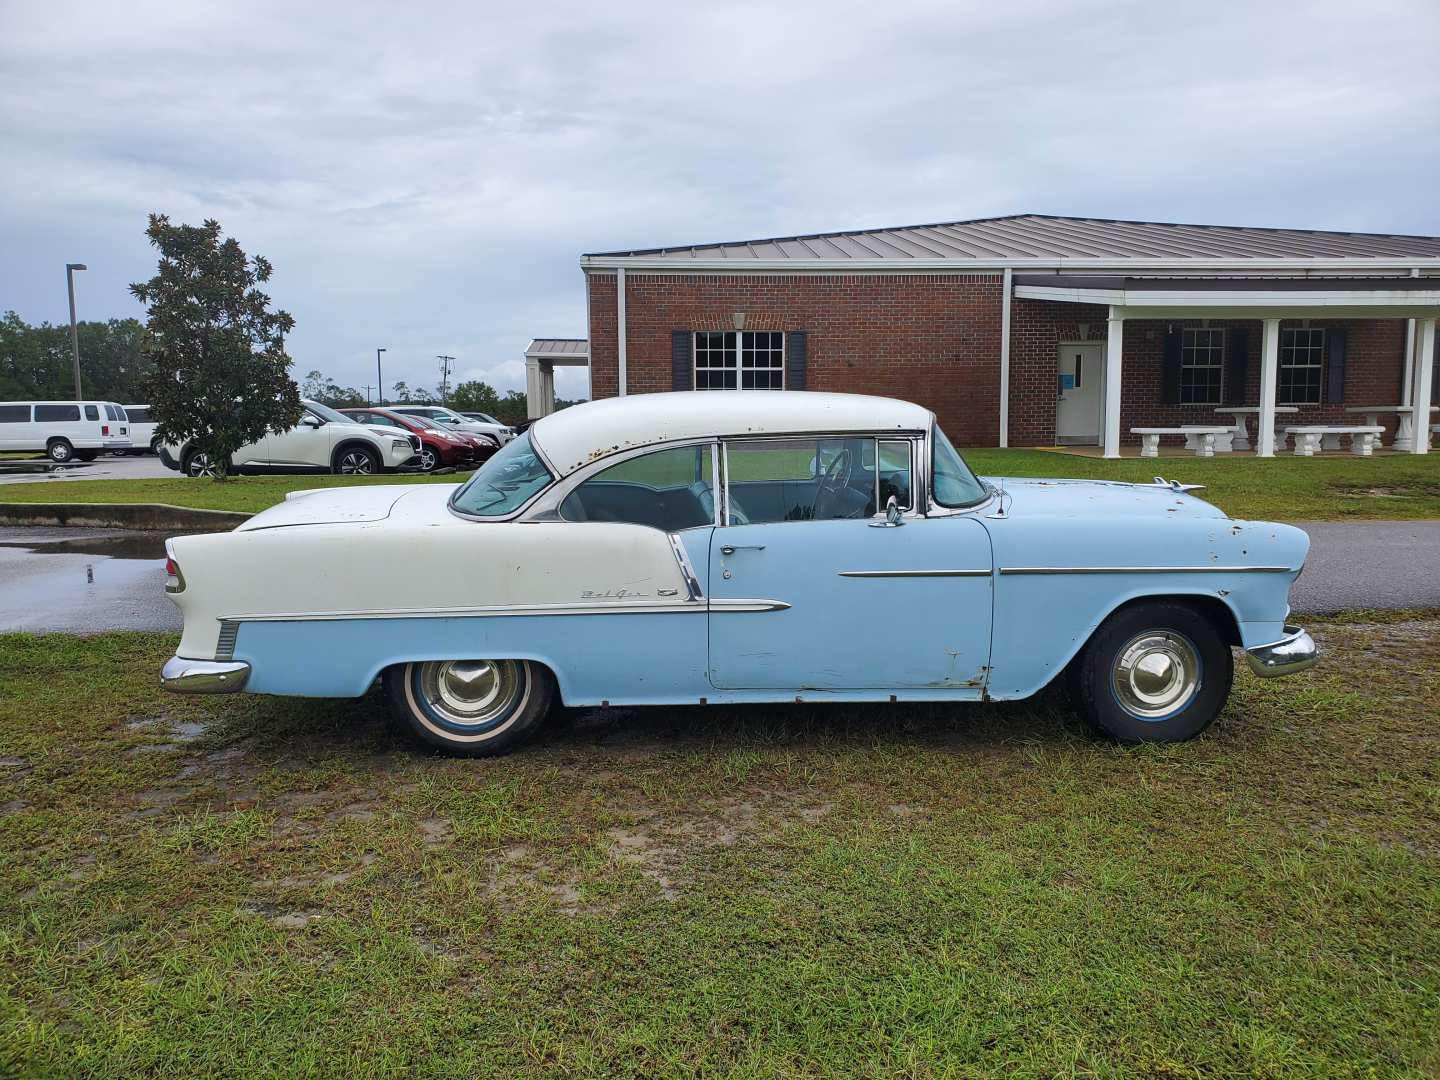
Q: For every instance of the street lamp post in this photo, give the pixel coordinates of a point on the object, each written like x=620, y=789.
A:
x=70, y=269
x=380, y=387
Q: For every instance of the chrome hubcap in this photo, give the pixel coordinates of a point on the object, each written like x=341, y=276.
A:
x=355, y=462
x=472, y=692
x=1157, y=673
x=427, y=460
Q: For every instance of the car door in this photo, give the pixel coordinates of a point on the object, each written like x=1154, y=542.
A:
x=867, y=605
x=306, y=444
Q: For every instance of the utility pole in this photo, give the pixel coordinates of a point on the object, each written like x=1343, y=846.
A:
x=70, y=269
x=380, y=389
x=367, y=394
x=446, y=367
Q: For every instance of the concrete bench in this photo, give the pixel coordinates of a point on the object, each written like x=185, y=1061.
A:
x=1224, y=439
x=1200, y=439
x=1326, y=437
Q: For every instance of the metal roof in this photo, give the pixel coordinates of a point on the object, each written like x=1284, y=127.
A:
x=1038, y=238
x=553, y=347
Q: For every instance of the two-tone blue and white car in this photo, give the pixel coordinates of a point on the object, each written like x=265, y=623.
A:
x=706, y=549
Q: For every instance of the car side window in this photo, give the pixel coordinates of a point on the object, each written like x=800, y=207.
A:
x=50, y=414
x=669, y=489
x=894, y=478
x=817, y=479
x=92, y=413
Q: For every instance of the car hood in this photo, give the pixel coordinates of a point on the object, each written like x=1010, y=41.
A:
x=356, y=505
x=1070, y=498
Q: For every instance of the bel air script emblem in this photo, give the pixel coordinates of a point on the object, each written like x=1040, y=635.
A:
x=611, y=594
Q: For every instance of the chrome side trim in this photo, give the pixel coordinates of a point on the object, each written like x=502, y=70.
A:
x=692, y=583
x=1294, y=652
x=640, y=607
x=1146, y=570
x=913, y=573
x=748, y=605
x=183, y=676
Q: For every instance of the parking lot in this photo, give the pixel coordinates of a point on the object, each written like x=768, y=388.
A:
x=106, y=467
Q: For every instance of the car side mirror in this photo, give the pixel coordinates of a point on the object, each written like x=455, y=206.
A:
x=893, y=519
x=310, y=421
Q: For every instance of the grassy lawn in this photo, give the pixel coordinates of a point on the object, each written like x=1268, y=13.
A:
x=1287, y=488
x=266, y=887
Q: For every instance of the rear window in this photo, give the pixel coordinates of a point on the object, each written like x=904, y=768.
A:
x=14, y=414
x=138, y=416
x=51, y=414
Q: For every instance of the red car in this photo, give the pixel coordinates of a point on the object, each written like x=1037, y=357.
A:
x=438, y=449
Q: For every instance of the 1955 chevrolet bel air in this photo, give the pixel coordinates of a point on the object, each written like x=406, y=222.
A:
x=743, y=546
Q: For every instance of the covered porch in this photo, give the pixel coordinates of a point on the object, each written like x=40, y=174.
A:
x=542, y=356
x=1173, y=313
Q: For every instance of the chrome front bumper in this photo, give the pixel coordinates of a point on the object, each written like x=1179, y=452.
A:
x=1294, y=652
x=183, y=676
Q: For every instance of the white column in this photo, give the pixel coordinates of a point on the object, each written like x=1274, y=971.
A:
x=533, y=397
x=1407, y=382
x=1269, y=374
x=547, y=388
x=1114, y=352
x=1005, y=359
x=1424, y=372
x=620, y=328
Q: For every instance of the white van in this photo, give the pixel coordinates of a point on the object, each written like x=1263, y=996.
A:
x=64, y=429
x=142, y=429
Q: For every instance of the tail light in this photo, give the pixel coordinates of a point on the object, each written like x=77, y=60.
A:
x=104, y=429
x=174, y=579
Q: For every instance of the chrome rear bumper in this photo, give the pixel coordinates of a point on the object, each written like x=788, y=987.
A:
x=183, y=676
x=1294, y=652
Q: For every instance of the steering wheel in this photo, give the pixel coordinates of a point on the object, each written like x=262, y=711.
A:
x=835, y=480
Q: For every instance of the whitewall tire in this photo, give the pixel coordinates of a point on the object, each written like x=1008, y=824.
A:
x=470, y=707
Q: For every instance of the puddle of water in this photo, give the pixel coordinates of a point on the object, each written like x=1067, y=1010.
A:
x=128, y=546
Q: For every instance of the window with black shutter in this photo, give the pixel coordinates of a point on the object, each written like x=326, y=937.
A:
x=1302, y=361
x=1202, y=364
x=739, y=360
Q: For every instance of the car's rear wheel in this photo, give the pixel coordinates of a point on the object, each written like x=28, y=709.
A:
x=357, y=461
x=59, y=451
x=1156, y=671
x=198, y=463
x=470, y=707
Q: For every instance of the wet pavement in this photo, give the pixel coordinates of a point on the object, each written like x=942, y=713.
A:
x=106, y=467
x=83, y=580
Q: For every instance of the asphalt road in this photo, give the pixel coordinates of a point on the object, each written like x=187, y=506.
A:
x=89, y=580
x=105, y=467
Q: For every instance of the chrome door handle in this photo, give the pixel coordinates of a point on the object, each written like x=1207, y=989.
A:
x=730, y=549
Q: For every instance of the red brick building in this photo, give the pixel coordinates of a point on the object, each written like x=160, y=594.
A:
x=1034, y=330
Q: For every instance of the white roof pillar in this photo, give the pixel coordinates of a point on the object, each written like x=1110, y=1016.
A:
x=1005, y=358
x=1424, y=373
x=1114, y=357
x=1269, y=375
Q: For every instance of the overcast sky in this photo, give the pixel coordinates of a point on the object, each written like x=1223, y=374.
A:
x=425, y=176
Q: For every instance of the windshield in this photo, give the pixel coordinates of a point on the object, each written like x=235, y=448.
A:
x=505, y=482
x=953, y=482
x=329, y=415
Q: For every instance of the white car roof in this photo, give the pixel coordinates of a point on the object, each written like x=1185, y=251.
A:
x=575, y=436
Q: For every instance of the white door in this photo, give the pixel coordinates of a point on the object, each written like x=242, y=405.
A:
x=1080, y=394
x=308, y=443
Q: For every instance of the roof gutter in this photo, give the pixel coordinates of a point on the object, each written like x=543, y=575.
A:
x=1417, y=264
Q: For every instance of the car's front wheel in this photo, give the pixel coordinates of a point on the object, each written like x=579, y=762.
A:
x=357, y=461
x=1156, y=671
x=429, y=459
x=470, y=707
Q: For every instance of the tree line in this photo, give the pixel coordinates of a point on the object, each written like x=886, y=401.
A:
x=35, y=360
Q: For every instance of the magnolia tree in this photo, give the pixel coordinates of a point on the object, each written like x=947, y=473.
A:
x=220, y=376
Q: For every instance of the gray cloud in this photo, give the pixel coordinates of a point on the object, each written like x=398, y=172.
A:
x=425, y=176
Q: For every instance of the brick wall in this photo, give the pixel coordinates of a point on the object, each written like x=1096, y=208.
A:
x=934, y=339
x=928, y=338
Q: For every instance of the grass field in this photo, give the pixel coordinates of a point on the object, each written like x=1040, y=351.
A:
x=270, y=888
x=1284, y=489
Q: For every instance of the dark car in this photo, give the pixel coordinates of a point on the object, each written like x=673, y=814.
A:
x=438, y=449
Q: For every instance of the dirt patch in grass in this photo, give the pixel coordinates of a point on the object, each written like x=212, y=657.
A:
x=253, y=886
